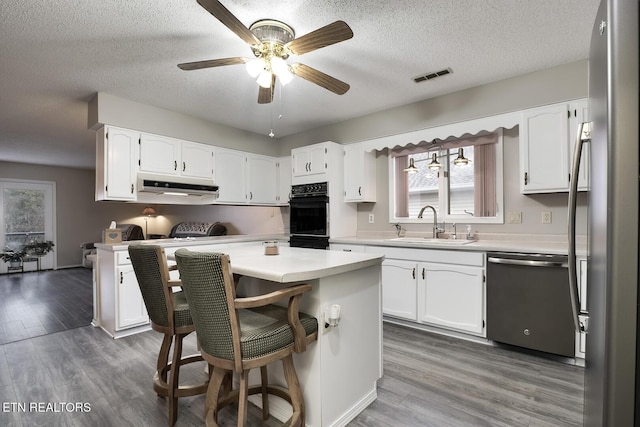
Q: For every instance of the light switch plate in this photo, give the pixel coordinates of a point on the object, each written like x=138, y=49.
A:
x=514, y=217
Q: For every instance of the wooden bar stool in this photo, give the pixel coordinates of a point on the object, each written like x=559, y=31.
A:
x=170, y=315
x=238, y=334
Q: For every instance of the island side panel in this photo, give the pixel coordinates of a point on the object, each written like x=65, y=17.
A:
x=351, y=353
x=339, y=372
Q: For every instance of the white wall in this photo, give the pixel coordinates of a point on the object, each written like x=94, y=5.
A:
x=566, y=82
x=81, y=219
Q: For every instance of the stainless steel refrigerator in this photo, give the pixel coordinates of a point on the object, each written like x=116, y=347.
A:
x=611, y=365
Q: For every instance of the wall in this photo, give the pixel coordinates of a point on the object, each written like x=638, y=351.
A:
x=109, y=109
x=531, y=206
x=556, y=84
x=563, y=83
x=81, y=219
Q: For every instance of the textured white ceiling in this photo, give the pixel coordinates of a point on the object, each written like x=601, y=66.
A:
x=55, y=55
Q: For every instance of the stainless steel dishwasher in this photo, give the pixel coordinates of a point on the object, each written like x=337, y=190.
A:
x=528, y=302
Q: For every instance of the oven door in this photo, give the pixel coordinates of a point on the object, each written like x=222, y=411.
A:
x=308, y=216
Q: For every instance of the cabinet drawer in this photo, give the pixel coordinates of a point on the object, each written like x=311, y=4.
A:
x=431, y=255
x=122, y=258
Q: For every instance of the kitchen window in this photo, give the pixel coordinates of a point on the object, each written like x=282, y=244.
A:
x=468, y=192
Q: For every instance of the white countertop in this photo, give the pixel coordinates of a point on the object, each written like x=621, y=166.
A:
x=517, y=244
x=193, y=241
x=295, y=264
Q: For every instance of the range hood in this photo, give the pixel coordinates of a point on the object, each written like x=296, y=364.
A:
x=176, y=185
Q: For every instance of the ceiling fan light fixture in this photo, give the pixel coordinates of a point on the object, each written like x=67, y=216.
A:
x=278, y=66
x=255, y=67
x=264, y=79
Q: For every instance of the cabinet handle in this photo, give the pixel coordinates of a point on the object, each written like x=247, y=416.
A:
x=184, y=166
x=423, y=273
x=175, y=165
x=359, y=191
x=526, y=178
x=121, y=277
x=131, y=188
x=250, y=195
x=413, y=272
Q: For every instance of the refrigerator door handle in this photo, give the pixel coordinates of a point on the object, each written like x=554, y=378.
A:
x=580, y=321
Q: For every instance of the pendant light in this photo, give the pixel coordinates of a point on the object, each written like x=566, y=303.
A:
x=461, y=159
x=412, y=167
x=434, y=164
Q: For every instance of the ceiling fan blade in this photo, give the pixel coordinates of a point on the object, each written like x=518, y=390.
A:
x=220, y=12
x=325, y=36
x=321, y=79
x=188, y=66
x=265, y=95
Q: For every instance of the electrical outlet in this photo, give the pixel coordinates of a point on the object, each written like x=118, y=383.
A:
x=546, y=217
x=371, y=218
x=514, y=217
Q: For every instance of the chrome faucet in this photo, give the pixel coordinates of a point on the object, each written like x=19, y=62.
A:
x=436, y=230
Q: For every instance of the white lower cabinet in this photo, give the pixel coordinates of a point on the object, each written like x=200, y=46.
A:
x=121, y=310
x=451, y=296
x=399, y=289
x=433, y=287
x=130, y=307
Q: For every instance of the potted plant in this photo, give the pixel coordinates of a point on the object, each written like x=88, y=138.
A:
x=14, y=258
x=38, y=248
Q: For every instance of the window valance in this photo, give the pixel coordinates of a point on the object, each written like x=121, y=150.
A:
x=458, y=130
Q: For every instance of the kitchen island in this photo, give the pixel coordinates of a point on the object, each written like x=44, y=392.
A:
x=339, y=372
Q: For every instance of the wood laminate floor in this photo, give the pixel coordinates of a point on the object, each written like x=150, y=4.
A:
x=429, y=380
x=43, y=302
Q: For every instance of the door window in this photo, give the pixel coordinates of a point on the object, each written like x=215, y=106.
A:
x=26, y=216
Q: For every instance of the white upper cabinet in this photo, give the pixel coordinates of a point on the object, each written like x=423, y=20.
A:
x=159, y=154
x=544, y=149
x=359, y=174
x=170, y=156
x=116, y=160
x=579, y=113
x=198, y=160
x=246, y=178
x=230, y=176
x=310, y=160
x=262, y=179
x=284, y=180
x=547, y=138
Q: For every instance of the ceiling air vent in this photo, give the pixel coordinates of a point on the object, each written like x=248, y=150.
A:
x=431, y=76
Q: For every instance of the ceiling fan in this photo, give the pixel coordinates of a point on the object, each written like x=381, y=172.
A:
x=272, y=42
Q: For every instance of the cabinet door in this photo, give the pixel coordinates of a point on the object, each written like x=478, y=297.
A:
x=310, y=160
x=130, y=308
x=359, y=174
x=262, y=179
x=544, y=158
x=119, y=164
x=159, y=154
x=399, y=288
x=579, y=113
x=318, y=159
x=230, y=176
x=284, y=180
x=452, y=297
x=197, y=160
x=300, y=161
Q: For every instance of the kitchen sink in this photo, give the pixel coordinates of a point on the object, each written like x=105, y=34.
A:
x=430, y=241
